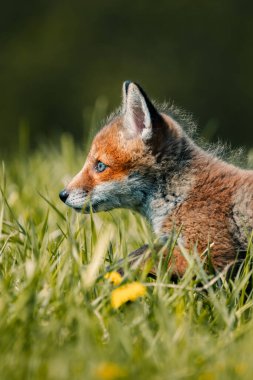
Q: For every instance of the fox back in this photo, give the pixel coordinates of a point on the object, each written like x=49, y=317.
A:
x=143, y=160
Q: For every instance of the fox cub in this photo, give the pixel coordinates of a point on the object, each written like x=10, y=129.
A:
x=143, y=160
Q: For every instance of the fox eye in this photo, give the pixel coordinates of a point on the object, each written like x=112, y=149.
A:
x=100, y=167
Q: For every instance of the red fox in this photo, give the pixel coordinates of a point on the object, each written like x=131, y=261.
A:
x=144, y=160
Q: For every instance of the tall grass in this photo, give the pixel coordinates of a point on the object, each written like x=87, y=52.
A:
x=56, y=317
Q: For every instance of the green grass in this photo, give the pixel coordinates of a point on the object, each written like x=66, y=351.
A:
x=56, y=319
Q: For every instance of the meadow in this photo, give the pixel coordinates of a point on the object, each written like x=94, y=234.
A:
x=58, y=317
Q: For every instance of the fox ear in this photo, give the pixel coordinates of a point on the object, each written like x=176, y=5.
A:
x=124, y=95
x=139, y=113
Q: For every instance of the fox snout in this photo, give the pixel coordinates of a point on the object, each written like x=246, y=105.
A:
x=75, y=199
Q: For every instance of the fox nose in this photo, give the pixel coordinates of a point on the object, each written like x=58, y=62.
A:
x=63, y=195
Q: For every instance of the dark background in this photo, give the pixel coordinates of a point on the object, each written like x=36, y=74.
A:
x=57, y=58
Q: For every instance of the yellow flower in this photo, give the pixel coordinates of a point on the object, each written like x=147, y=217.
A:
x=110, y=371
x=125, y=293
x=240, y=368
x=113, y=277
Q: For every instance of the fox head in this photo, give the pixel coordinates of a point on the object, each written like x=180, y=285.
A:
x=127, y=158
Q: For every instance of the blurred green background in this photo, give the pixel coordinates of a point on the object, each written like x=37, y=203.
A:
x=59, y=58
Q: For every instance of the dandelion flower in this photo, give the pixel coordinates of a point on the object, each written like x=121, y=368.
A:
x=110, y=371
x=125, y=293
x=113, y=277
